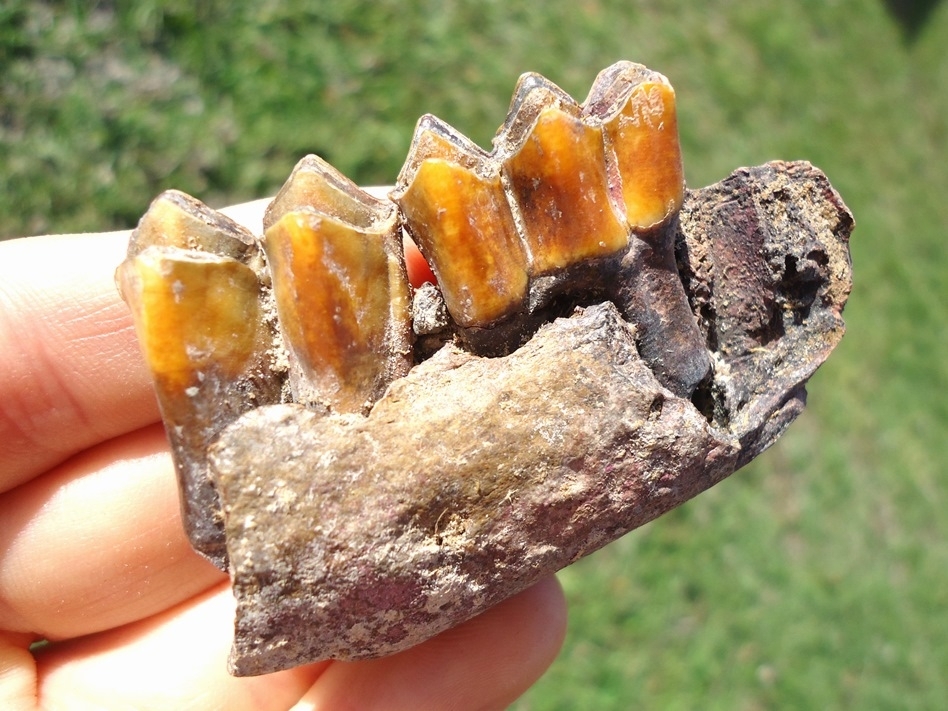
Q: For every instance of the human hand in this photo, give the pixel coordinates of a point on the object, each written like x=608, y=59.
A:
x=93, y=556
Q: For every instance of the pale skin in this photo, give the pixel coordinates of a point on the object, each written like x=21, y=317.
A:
x=93, y=556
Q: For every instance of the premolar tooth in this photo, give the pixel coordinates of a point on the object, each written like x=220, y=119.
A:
x=554, y=163
x=636, y=107
x=340, y=287
x=175, y=219
x=455, y=210
x=198, y=315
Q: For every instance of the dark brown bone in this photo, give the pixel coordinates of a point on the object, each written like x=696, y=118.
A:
x=352, y=537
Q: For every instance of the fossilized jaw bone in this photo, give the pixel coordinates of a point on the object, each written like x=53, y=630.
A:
x=356, y=537
x=472, y=477
x=765, y=257
x=620, y=344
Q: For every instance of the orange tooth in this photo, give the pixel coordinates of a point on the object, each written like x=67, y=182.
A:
x=636, y=108
x=201, y=328
x=340, y=286
x=195, y=313
x=460, y=219
x=555, y=165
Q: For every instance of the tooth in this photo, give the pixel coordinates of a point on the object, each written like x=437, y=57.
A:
x=202, y=332
x=340, y=286
x=455, y=210
x=636, y=108
x=554, y=164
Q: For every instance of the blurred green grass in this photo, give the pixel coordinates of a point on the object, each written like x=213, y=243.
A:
x=817, y=577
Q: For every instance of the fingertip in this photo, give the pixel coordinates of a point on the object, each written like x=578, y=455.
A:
x=485, y=663
x=175, y=660
x=419, y=271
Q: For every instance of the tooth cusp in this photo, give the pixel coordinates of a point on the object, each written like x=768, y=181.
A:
x=175, y=219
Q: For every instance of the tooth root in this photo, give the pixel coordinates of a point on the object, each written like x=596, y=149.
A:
x=340, y=286
x=637, y=109
x=555, y=167
x=459, y=217
x=204, y=338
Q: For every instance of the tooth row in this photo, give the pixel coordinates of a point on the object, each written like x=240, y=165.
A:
x=202, y=291
x=563, y=184
x=574, y=200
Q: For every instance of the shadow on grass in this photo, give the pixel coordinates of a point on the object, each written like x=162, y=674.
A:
x=911, y=15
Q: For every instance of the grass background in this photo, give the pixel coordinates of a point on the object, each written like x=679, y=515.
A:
x=815, y=578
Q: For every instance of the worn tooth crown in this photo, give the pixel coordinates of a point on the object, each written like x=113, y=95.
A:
x=340, y=287
x=554, y=164
x=455, y=210
x=175, y=219
x=636, y=108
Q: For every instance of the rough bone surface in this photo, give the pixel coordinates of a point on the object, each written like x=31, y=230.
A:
x=353, y=537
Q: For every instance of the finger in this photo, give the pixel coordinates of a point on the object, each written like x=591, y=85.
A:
x=17, y=673
x=485, y=663
x=417, y=267
x=176, y=660
x=97, y=542
x=71, y=373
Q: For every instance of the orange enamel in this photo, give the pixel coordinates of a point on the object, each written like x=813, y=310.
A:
x=558, y=179
x=194, y=314
x=332, y=287
x=644, y=138
x=463, y=225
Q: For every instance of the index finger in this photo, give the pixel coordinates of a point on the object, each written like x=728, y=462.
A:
x=71, y=373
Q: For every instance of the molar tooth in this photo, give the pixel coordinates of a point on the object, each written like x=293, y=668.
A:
x=636, y=108
x=554, y=164
x=340, y=286
x=454, y=208
x=199, y=320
